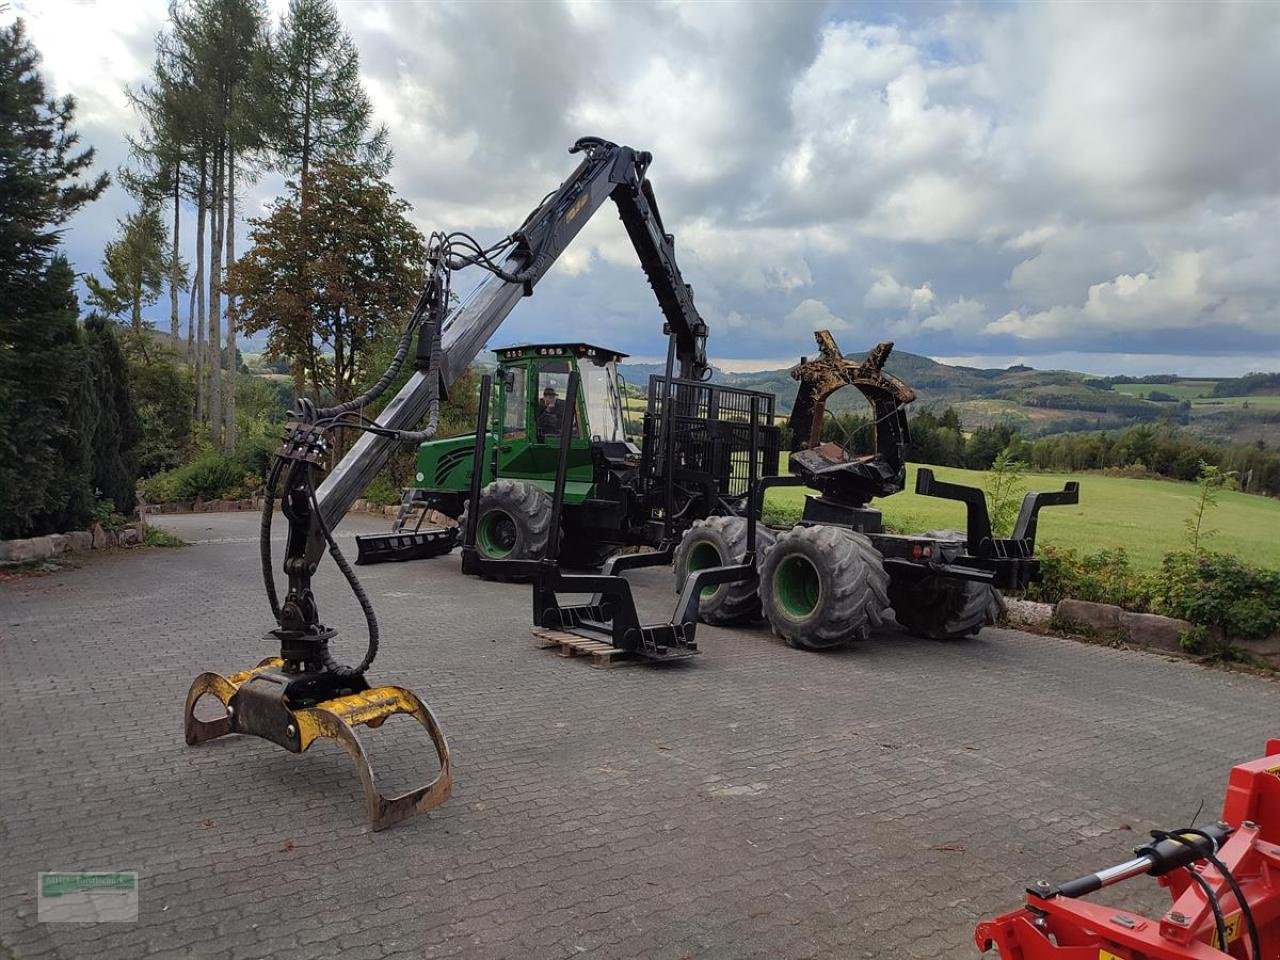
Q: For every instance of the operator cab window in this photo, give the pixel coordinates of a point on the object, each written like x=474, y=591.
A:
x=515, y=407
x=604, y=405
x=549, y=405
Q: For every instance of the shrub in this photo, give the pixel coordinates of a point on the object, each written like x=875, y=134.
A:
x=1103, y=577
x=1217, y=590
x=155, y=537
x=1004, y=488
x=383, y=490
x=164, y=394
x=1225, y=599
x=104, y=514
x=211, y=476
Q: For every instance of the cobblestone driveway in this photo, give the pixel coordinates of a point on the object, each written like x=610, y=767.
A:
x=759, y=802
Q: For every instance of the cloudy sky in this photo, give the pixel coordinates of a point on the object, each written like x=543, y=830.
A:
x=1081, y=185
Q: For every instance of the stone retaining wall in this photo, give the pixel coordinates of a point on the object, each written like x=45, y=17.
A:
x=56, y=544
x=1151, y=630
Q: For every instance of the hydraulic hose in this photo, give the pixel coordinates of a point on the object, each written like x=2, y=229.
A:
x=371, y=618
x=264, y=538
x=1212, y=856
x=388, y=376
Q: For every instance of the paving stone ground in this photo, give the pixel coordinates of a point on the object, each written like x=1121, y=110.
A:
x=757, y=802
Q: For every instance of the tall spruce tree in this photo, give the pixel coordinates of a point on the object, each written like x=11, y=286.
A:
x=320, y=111
x=45, y=176
x=164, y=148
x=42, y=170
x=321, y=108
x=220, y=45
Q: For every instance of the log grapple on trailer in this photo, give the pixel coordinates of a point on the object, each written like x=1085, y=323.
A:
x=835, y=575
x=1223, y=878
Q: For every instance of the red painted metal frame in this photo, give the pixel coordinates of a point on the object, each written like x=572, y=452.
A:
x=1059, y=928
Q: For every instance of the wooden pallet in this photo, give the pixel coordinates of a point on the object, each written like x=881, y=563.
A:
x=603, y=655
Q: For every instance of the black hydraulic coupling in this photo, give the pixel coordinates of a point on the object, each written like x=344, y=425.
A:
x=1181, y=848
x=1166, y=852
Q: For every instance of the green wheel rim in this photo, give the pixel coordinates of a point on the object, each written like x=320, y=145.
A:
x=496, y=535
x=797, y=586
x=701, y=557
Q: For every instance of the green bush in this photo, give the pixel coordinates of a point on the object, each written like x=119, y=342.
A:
x=256, y=452
x=155, y=537
x=1103, y=577
x=1226, y=600
x=383, y=490
x=163, y=394
x=104, y=514
x=1217, y=590
x=211, y=476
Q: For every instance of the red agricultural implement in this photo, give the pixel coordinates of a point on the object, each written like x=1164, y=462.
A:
x=1224, y=880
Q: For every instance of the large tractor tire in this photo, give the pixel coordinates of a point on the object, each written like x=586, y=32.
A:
x=718, y=542
x=515, y=521
x=823, y=586
x=583, y=553
x=942, y=608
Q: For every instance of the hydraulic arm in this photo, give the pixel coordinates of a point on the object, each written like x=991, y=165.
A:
x=304, y=693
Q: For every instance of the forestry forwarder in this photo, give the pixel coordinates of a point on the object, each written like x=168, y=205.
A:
x=615, y=494
x=304, y=693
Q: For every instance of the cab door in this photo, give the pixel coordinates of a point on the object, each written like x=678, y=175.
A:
x=512, y=418
x=546, y=417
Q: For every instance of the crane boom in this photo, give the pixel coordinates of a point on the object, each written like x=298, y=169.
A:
x=607, y=170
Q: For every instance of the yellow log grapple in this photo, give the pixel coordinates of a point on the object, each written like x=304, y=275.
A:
x=256, y=705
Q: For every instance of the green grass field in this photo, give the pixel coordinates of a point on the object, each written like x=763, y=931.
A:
x=1183, y=389
x=1143, y=516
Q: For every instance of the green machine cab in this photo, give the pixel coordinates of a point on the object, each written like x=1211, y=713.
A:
x=528, y=415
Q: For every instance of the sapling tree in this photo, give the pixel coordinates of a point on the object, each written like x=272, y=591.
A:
x=1005, y=486
x=1210, y=482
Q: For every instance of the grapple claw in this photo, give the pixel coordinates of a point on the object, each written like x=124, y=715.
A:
x=256, y=705
x=336, y=719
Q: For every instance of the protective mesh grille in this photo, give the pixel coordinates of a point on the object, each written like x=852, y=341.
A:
x=711, y=427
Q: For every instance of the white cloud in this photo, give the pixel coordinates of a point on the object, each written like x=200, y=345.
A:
x=810, y=315
x=887, y=293
x=995, y=180
x=1173, y=298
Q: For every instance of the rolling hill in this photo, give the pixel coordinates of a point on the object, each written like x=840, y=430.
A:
x=1041, y=402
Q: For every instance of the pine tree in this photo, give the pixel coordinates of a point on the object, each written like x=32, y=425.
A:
x=44, y=399
x=320, y=110
x=163, y=150
x=136, y=265
x=41, y=169
x=221, y=47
